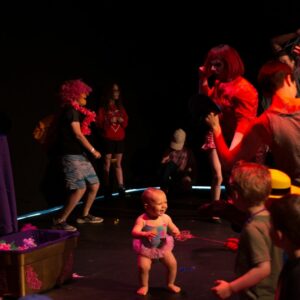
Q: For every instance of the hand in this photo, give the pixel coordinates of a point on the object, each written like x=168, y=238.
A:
x=96, y=154
x=296, y=50
x=184, y=235
x=202, y=72
x=120, y=120
x=212, y=120
x=113, y=120
x=222, y=289
x=149, y=235
x=176, y=234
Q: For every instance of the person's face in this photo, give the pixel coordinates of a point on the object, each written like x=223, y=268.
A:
x=157, y=207
x=115, y=92
x=217, y=68
x=82, y=100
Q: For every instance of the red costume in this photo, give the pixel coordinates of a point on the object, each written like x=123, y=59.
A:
x=112, y=130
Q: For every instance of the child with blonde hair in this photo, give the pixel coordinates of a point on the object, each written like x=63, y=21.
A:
x=153, y=239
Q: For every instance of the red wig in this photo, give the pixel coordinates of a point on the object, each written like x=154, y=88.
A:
x=233, y=63
x=71, y=90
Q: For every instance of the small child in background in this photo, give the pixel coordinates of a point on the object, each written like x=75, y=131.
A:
x=285, y=220
x=152, y=241
x=258, y=261
x=178, y=165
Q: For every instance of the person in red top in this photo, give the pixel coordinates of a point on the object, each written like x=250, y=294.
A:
x=112, y=120
x=221, y=78
x=278, y=127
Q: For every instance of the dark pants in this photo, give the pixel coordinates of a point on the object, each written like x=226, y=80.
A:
x=171, y=178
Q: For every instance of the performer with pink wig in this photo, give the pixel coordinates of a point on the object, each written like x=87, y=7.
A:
x=73, y=125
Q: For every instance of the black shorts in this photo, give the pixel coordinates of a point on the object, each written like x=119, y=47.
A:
x=113, y=147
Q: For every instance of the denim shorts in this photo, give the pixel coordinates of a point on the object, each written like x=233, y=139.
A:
x=78, y=172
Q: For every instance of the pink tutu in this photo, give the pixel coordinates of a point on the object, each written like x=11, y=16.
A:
x=153, y=252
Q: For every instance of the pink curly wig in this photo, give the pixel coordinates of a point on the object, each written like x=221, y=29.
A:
x=71, y=90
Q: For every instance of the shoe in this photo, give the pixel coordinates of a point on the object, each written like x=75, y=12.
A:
x=89, y=219
x=122, y=191
x=63, y=226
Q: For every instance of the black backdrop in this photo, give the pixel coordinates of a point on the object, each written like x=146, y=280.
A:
x=153, y=51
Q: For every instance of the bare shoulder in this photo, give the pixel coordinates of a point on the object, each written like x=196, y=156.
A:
x=141, y=218
x=166, y=218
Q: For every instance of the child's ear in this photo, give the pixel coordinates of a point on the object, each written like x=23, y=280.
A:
x=145, y=205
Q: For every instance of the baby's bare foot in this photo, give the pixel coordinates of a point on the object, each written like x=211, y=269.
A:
x=174, y=288
x=142, y=291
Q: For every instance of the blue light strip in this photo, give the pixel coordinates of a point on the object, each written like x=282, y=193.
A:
x=129, y=191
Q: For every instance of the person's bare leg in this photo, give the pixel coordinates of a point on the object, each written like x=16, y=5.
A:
x=90, y=198
x=72, y=201
x=106, y=168
x=118, y=169
x=217, y=175
x=170, y=262
x=144, y=267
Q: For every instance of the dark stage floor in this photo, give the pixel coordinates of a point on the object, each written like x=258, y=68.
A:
x=105, y=263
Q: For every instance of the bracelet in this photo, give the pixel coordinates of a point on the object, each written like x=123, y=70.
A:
x=92, y=150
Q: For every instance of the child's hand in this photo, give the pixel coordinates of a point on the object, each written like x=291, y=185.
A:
x=150, y=235
x=176, y=234
x=222, y=289
x=183, y=235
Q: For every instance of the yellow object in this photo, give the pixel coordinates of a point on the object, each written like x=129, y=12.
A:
x=281, y=184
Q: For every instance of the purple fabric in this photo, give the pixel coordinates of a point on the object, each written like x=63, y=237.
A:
x=8, y=211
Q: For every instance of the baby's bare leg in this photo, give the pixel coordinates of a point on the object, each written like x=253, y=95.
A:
x=170, y=262
x=144, y=266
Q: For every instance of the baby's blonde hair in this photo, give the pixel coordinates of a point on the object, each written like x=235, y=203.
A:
x=151, y=194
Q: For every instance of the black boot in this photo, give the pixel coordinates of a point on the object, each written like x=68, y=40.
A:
x=122, y=191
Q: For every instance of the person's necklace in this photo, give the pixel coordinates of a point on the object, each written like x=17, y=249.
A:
x=90, y=116
x=255, y=214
